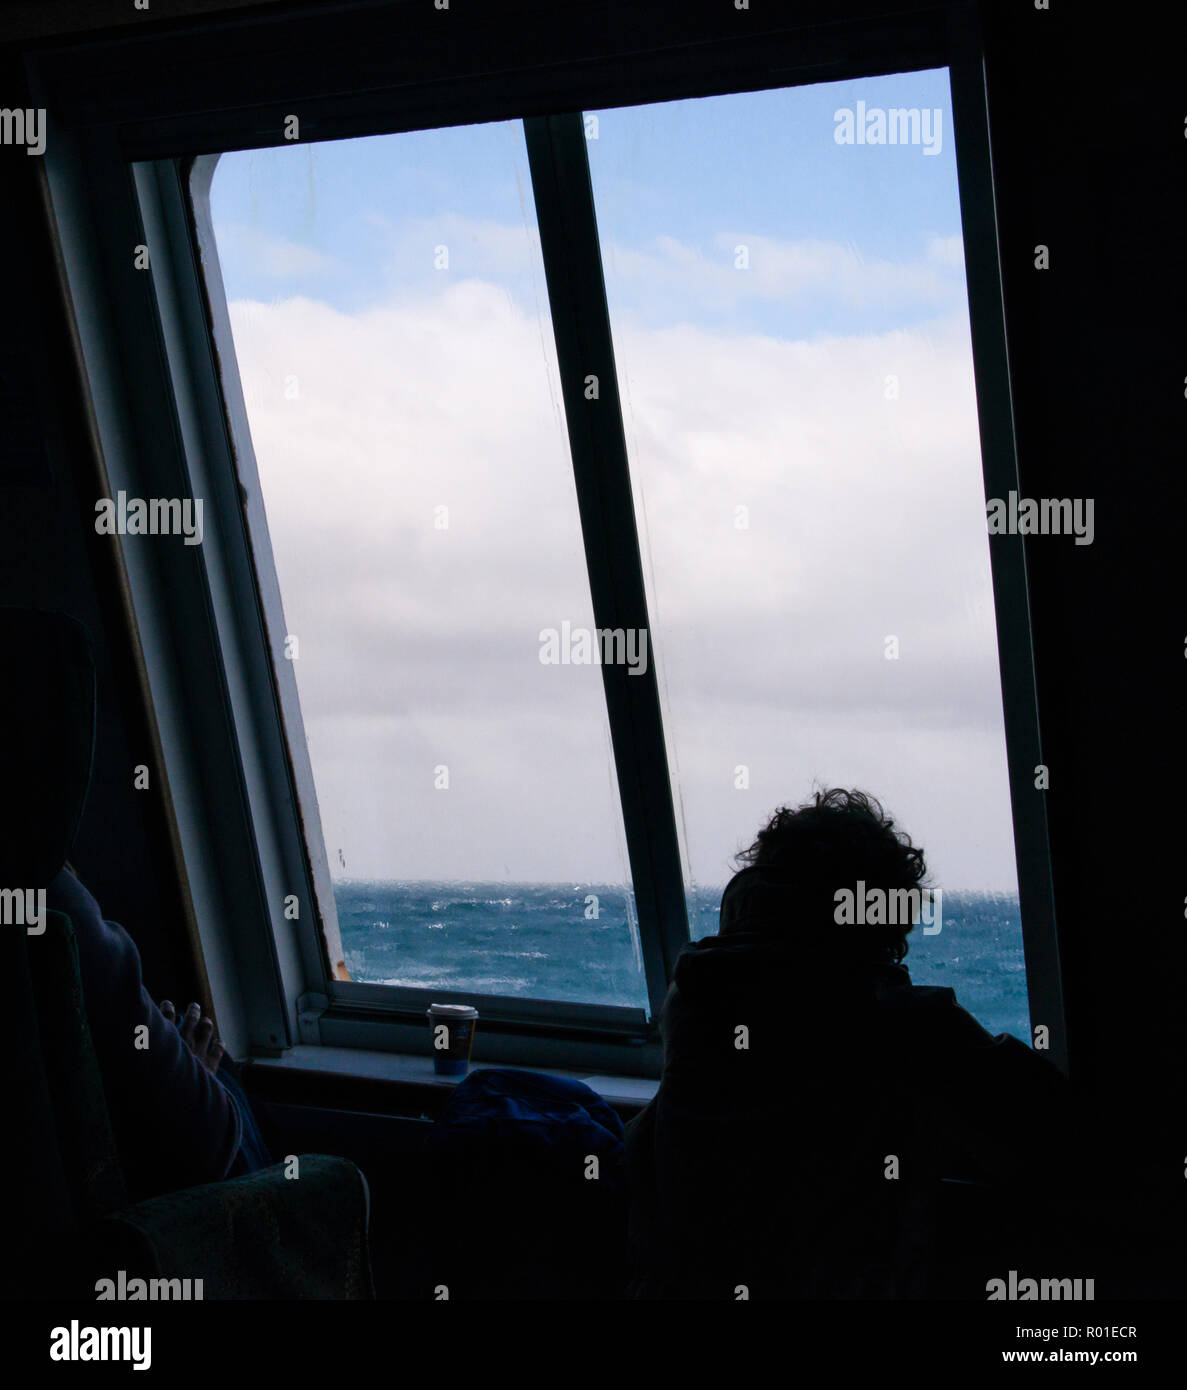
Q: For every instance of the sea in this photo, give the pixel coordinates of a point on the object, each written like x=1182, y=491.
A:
x=579, y=942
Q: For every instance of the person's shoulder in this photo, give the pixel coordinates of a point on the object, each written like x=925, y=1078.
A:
x=107, y=955
x=67, y=893
x=897, y=992
x=936, y=1007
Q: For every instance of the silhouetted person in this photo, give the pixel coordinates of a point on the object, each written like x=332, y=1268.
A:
x=812, y=1097
x=177, y=1114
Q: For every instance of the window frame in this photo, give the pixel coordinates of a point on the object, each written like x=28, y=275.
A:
x=168, y=423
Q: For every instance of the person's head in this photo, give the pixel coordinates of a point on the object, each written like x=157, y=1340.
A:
x=803, y=857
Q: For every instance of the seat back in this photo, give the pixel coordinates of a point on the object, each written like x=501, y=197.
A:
x=60, y=1168
x=528, y=1198
x=66, y=1214
x=86, y=1143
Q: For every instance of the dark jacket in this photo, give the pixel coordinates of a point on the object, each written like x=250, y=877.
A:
x=763, y=1159
x=174, y=1124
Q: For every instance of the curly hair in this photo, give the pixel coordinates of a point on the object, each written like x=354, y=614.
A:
x=832, y=841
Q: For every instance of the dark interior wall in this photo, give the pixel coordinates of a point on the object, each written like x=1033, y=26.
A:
x=1087, y=128
x=1088, y=139
x=35, y=19
x=50, y=557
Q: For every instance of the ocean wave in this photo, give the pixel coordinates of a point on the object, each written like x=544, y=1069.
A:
x=596, y=960
x=403, y=982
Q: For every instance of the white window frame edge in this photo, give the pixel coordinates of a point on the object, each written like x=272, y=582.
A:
x=93, y=191
x=242, y=463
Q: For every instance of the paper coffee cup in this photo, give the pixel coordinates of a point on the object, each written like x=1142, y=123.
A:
x=452, y=1027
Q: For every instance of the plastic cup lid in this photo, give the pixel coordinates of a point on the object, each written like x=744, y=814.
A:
x=453, y=1010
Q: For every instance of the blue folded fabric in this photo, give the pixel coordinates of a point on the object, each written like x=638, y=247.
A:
x=252, y=1154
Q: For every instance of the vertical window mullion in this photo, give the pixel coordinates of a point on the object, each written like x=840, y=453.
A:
x=1007, y=553
x=585, y=352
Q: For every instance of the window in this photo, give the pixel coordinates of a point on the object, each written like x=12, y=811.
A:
x=522, y=389
x=790, y=325
x=791, y=328
x=391, y=325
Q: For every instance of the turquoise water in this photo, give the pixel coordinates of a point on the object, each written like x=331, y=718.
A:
x=538, y=940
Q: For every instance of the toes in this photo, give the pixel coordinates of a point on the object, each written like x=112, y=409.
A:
x=167, y=1009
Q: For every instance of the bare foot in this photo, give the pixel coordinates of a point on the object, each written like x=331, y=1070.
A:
x=197, y=1033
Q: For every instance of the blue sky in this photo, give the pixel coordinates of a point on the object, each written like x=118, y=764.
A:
x=770, y=159
x=767, y=389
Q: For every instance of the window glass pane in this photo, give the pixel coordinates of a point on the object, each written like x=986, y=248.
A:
x=792, y=338
x=391, y=324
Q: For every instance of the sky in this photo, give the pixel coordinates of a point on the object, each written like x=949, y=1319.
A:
x=792, y=342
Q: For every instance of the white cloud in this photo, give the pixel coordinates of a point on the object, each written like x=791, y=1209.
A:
x=477, y=246
x=783, y=271
x=419, y=646
x=260, y=253
x=947, y=250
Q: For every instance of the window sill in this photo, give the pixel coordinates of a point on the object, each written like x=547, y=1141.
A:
x=404, y=1070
